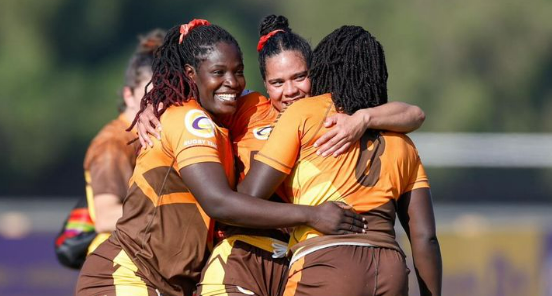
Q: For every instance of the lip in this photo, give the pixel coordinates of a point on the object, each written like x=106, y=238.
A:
x=289, y=102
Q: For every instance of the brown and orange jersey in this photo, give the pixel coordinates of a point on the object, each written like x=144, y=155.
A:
x=108, y=165
x=249, y=128
x=371, y=177
x=164, y=229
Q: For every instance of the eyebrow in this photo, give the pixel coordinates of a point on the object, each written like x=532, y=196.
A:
x=293, y=76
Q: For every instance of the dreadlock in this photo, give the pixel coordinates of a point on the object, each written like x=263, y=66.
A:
x=139, y=65
x=350, y=64
x=170, y=86
x=282, y=41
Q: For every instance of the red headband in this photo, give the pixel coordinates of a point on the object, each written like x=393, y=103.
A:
x=186, y=28
x=265, y=38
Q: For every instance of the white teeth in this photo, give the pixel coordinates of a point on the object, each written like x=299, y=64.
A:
x=226, y=97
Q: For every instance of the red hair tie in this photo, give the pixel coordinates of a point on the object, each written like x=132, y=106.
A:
x=265, y=38
x=186, y=28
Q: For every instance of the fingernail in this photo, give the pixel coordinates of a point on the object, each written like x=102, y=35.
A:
x=159, y=128
x=317, y=152
x=159, y=138
x=315, y=145
x=324, y=154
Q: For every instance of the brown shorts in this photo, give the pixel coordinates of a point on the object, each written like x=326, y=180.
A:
x=238, y=268
x=114, y=276
x=349, y=271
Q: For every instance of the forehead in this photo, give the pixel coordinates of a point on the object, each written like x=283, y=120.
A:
x=287, y=62
x=223, y=53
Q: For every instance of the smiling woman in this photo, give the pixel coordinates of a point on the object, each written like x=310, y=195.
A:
x=220, y=78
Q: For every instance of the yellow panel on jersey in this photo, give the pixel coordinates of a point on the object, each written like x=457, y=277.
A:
x=371, y=177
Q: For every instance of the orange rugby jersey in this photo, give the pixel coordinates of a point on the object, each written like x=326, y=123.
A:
x=371, y=177
x=163, y=228
x=249, y=128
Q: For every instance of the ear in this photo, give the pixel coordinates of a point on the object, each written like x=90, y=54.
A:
x=128, y=96
x=190, y=72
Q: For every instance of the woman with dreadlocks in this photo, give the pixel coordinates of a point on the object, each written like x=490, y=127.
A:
x=381, y=176
x=254, y=261
x=160, y=243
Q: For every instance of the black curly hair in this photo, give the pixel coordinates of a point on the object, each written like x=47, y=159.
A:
x=350, y=64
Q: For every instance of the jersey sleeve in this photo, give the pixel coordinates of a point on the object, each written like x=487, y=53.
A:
x=110, y=168
x=284, y=143
x=418, y=177
x=190, y=135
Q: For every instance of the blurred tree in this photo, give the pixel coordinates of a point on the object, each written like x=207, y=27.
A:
x=473, y=66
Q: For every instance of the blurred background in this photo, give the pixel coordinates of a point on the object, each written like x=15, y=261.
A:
x=482, y=72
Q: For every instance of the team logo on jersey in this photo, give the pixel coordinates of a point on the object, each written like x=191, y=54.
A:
x=262, y=133
x=199, y=124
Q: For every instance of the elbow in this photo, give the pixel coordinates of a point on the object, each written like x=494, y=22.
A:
x=426, y=237
x=101, y=226
x=419, y=115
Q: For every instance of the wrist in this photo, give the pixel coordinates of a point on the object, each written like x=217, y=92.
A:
x=366, y=117
x=309, y=215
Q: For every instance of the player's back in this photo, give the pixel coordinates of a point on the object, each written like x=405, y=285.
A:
x=371, y=176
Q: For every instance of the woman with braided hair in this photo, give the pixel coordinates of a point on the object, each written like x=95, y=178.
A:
x=160, y=243
x=380, y=176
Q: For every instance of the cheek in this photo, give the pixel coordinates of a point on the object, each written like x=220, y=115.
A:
x=275, y=93
x=305, y=86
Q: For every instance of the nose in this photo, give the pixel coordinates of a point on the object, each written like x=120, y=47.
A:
x=231, y=81
x=290, y=90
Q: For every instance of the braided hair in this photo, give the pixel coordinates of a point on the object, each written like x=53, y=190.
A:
x=350, y=64
x=170, y=86
x=281, y=41
x=139, y=65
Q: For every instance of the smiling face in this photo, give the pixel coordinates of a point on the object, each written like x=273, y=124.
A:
x=219, y=79
x=286, y=78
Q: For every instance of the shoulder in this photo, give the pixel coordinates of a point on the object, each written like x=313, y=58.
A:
x=252, y=99
x=399, y=144
x=110, y=142
x=178, y=115
x=311, y=107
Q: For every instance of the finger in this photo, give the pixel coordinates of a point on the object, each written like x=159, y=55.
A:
x=326, y=148
x=140, y=131
x=356, y=216
x=342, y=149
x=337, y=145
x=143, y=144
x=359, y=223
x=346, y=228
x=152, y=130
x=325, y=138
x=330, y=121
x=143, y=135
x=343, y=205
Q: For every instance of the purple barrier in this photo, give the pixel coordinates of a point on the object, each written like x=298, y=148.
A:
x=28, y=267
